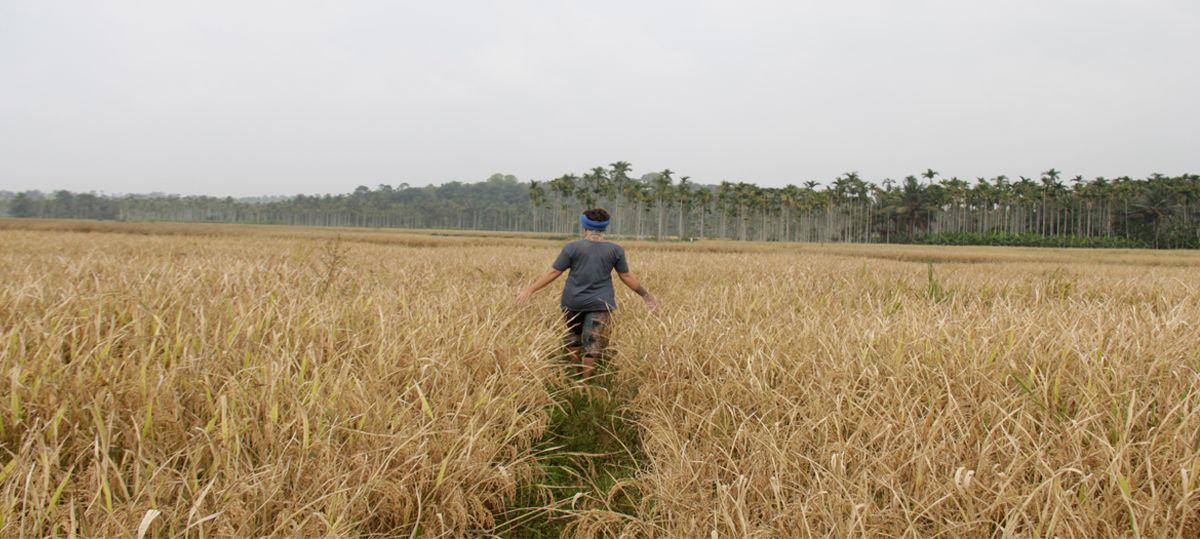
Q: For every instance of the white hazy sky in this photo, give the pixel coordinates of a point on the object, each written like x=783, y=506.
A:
x=280, y=97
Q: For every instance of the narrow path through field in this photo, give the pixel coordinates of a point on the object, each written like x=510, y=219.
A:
x=589, y=446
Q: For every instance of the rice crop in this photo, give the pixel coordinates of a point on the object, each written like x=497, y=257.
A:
x=812, y=396
x=249, y=387
x=202, y=380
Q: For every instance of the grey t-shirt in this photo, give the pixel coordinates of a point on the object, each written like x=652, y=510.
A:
x=589, y=284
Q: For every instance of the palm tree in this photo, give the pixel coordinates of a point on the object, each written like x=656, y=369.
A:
x=703, y=197
x=956, y=190
x=1093, y=193
x=595, y=185
x=618, y=179
x=1156, y=205
x=913, y=204
x=725, y=201
x=683, y=194
x=789, y=200
x=744, y=198
x=662, y=194
x=1049, y=177
x=861, y=191
x=565, y=187
x=631, y=191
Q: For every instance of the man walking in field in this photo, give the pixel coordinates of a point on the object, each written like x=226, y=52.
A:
x=588, y=299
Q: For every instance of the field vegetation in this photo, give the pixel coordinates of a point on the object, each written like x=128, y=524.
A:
x=175, y=380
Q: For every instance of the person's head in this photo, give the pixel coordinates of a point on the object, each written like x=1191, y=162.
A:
x=595, y=220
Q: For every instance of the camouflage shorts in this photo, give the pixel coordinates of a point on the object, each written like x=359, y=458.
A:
x=588, y=331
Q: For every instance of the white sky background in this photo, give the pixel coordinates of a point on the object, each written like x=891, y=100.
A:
x=254, y=97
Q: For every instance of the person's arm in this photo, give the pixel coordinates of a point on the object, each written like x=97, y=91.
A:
x=633, y=284
x=541, y=282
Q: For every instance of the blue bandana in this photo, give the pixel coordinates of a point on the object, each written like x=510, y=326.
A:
x=592, y=225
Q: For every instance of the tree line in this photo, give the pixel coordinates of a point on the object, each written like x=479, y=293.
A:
x=1051, y=209
x=499, y=203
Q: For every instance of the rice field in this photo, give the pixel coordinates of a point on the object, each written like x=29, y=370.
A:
x=173, y=380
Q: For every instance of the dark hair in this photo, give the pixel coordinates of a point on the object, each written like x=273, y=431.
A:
x=596, y=214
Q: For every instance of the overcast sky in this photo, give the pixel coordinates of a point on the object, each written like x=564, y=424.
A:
x=254, y=97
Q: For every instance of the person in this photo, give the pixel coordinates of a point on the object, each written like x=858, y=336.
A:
x=588, y=299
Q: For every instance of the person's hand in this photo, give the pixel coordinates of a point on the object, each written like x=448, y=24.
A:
x=523, y=297
x=651, y=303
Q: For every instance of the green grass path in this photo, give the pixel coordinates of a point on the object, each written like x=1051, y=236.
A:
x=590, y=445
